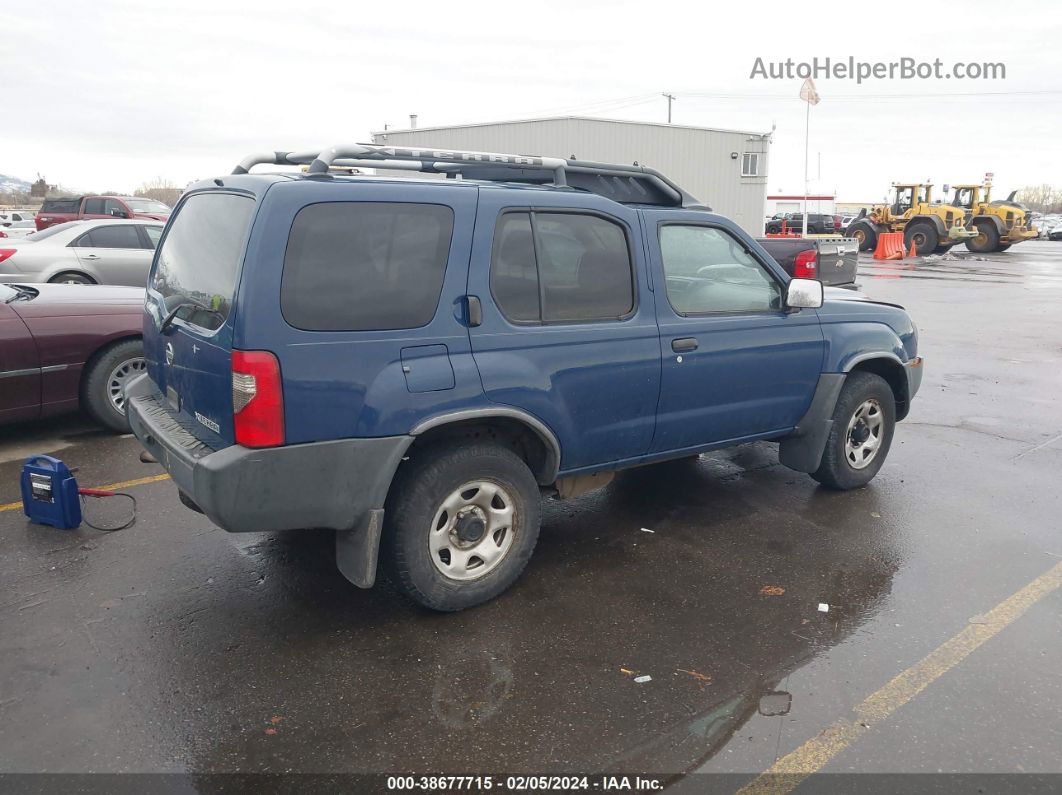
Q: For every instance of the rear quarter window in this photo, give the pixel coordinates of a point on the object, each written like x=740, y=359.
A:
x=61, y=206
x=360, y=266
x=199, y=260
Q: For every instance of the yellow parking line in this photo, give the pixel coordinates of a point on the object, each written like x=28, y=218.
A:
x=124, y=484
x=787, y=773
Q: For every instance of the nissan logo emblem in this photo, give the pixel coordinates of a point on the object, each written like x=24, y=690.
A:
x=169, y=353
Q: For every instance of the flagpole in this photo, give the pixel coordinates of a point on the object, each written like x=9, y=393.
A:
x=807, y=129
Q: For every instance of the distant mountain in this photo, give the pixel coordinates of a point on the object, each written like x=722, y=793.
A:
x=13, y=184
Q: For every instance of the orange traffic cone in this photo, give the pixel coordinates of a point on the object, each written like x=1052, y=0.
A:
x=912, y=253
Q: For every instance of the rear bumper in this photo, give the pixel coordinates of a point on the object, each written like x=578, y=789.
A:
x=333, y=484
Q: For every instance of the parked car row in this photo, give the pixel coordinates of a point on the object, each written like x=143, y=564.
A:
x=818, y=223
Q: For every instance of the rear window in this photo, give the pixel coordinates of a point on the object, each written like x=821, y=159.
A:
x=61, y=205
x=359, y=266
x=200, y=256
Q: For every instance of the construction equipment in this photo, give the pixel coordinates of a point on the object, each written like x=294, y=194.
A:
x=998, y=224
x=931, y=228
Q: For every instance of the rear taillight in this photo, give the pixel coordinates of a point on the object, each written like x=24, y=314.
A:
x=257, y=399
x=3, y=233
x=806, y=264
x=6, y=252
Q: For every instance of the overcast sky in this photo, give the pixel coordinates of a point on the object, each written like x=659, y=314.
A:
x=105, y=95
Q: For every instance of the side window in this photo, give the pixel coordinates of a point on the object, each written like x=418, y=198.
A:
x=154, y=234
x=117, y=236
x=708, y=270
x=359, y=266
x=94, y=206
x=554, y=266
x=585, y=267
x=513, y=273
x=114, y=208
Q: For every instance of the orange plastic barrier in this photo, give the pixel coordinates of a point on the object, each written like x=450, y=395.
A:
x=890, y=246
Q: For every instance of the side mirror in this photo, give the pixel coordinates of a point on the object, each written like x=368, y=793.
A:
x=803, y=294
x=116, y=213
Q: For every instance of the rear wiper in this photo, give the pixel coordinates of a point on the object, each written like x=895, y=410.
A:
x=166, y=321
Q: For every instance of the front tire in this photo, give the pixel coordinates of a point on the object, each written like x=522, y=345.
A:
x=102, y=395
x=987, y=239
x=864, y=234
x=1003, y=246
x=863, y=424
x=924, y=237
x=461, y=524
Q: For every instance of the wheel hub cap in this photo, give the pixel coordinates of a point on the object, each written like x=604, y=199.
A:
x=473, y=530
x=470, y=525
x=122, y=374
x=864, y=434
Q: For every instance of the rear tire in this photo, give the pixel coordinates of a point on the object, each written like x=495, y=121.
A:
x=1003, y=246
x=864, y=233
x=924, y=236
x=105, y=378
x=450, y=507
x=987, y=239
x=70, y=277
x=865, y=412
x=943, y=248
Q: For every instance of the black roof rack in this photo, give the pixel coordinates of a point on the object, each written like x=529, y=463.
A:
x=627, y=184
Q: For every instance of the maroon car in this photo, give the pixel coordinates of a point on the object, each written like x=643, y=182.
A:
x=79, y=208
x=66, y=346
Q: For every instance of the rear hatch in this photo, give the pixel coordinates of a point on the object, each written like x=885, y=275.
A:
x=193, y=285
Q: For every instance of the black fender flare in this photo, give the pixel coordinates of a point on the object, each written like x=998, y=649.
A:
x=358, y=549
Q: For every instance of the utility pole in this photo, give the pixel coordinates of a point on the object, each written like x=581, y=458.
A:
x=670, y=99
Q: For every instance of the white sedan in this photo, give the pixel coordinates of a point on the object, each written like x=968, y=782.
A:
x=19, y=229
x=101, y=251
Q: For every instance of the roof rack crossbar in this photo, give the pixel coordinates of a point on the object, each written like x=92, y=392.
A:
x=456, y=162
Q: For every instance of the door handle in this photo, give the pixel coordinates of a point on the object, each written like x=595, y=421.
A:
x=684, y=344
x=92, y=256
x=475, y=311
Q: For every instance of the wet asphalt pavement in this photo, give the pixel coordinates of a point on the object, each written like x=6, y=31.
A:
x=173, y=646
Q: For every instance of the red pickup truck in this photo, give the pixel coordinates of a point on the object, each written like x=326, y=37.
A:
x=78, y=208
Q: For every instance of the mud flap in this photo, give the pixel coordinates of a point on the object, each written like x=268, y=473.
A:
x=802, y=449
x=358, y=550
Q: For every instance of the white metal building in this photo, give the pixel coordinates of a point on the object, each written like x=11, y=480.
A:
x=725, y=169
x=794, y=203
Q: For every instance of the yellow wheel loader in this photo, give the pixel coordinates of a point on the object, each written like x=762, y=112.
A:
x=998, y=224
x=932, y=228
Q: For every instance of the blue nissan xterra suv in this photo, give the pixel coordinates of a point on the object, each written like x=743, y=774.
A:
x=412, y=362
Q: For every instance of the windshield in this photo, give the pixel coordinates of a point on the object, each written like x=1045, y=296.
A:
x=200, y=255
x=52, y=230
x=148, y=206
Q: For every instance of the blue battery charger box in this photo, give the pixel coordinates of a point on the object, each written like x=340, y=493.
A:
x=49, y=493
